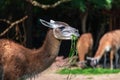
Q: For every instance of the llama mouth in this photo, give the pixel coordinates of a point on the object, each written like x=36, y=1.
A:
x=74, y=37
x=72, y=34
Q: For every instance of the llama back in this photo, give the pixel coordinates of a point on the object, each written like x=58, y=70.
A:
x=108, y=41
x=85, y=43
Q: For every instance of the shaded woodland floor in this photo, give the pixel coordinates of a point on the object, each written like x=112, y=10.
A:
x=50, y=74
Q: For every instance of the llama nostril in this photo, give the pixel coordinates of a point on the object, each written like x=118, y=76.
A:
x=76, y=31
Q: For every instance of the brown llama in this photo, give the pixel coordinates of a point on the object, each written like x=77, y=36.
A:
x=84, y=48
x=18, y=62
x=110, y=42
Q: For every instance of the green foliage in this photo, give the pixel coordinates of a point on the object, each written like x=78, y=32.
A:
x=83, y=5
x=72, y=50
x=107, y=4
x=89, y=71
x=73, y=46
x=116, y=3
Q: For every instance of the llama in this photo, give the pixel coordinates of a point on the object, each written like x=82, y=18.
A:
x=18, y=62
x=110, y=42
x=84, y=48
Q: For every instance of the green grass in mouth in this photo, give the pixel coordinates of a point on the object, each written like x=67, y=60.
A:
x=73, y=51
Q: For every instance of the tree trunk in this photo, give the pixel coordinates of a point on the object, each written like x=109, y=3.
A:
x=28, y=26
x=83, y=21
x=110, y=23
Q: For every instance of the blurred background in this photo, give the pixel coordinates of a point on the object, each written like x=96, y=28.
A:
x=95, y=16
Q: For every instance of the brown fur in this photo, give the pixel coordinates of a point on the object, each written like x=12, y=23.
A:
x=18, y=62
x=84, y=47
x=109, y=40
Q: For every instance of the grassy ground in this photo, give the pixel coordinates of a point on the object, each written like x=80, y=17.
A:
x=88, y=71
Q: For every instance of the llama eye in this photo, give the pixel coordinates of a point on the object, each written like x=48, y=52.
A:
x=61, y=27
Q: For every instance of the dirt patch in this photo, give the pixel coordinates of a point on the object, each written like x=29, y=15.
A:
x=50, y=74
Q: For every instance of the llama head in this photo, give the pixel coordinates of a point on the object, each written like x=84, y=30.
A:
x=61, y=30
x=93, y=61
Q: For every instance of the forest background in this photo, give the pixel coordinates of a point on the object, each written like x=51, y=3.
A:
x=19, y=19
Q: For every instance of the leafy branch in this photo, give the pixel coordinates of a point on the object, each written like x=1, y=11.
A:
x=43, y=6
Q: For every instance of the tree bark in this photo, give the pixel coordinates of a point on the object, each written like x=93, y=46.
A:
x=110, y=23
x=83, y=21
x=28, y=26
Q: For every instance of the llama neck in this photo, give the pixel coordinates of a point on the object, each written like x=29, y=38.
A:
x=100, y=52
x=48, y=52
x=51, y=45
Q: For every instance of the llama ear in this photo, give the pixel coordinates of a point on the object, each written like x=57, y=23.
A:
x=52, y=21
x=50, y=24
